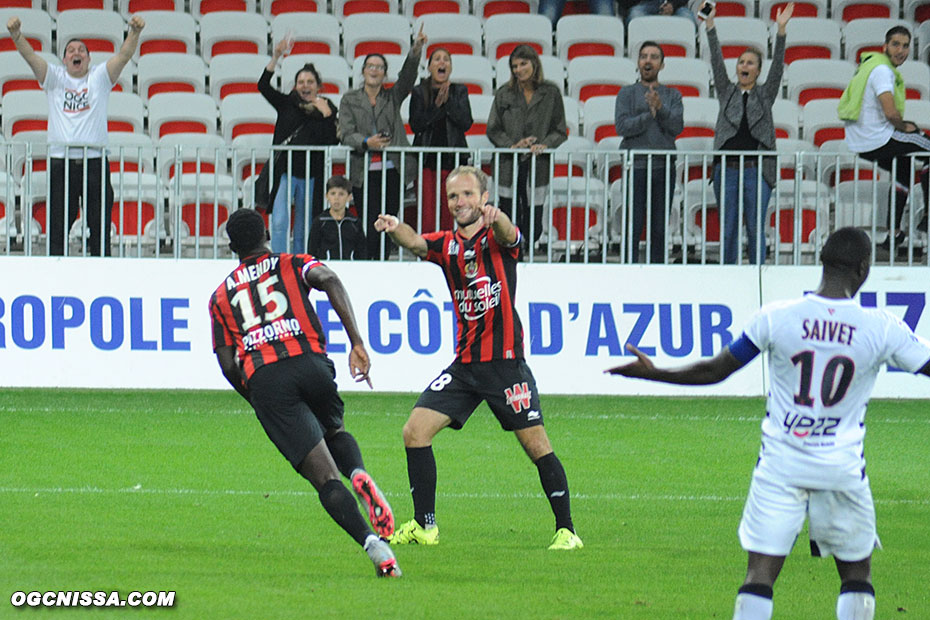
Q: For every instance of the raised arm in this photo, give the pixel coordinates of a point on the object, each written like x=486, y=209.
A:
x=36, y=63
x=504, y=231
x=118, y=61
x=325, y=279
x=401, y=234
x=408, y=72
x=704, y=372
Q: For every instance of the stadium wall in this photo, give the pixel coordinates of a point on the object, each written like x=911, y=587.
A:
x=138, y=323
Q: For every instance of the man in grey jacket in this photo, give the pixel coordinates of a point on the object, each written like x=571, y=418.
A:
x=648, y=116
x=369, y=120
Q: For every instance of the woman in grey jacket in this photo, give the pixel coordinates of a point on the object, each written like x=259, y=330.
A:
x=527, y=113
x=745, y=123
x=369, y=120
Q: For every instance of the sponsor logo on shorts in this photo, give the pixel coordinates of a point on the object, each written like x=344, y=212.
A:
x=518, y=397
x=532, y=415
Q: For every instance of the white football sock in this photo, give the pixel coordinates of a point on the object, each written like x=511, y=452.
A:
x=752, y=607
x=855, y=606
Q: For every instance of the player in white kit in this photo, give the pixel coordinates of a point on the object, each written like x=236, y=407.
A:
x=825, y=351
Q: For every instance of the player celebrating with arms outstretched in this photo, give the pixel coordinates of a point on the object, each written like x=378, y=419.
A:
x=270, y=347
x=825, y=352
x=479, y=260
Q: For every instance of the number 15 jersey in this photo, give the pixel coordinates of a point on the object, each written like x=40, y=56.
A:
x=262, y=308
x=824, y=357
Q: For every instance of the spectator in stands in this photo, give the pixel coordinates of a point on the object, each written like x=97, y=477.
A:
x=527, y=113
x=642, y=8
x=370, y=121
x=649, y=116
x=304, y=119
x=553, y=8
x=336, y=233
x=872, y=107
x=745, y=124
x=439, y=116
x=77, y=102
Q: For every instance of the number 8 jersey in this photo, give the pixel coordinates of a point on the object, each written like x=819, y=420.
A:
x=262, y=308
x=824, y=357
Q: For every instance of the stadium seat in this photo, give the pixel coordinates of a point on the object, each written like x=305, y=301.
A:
x=458, y=34
x=838, y=163
x=125, y=79
x=676, y=35
x=700, y=117
x=130, y=152
x=735, y=8
x=589, y=35
x=797, y=207
x=922, y=48
x=577, y=213
x=8, y=196
x=21, y=4
x=375, y=33
x=917, y=11
x=786, y=115
x=598, y=113
x=768, y=9
x=702, y=216
x=273, y=8
x=167, y=31
x=611, y=157
x=489, y=8
x=418, y=8
x=170, y=73
x=553, y=70
x=36, y=27
x=246, y=114
x=690, y=76
x=313, y=33
x=572, y=115
x=17, y=74
x=200, y=8
x=476, y=72
x=25, y=115
x=250, y=152
x=333, y=70
x=101, y=31
x=395, y=62
x=795, y=155
x=190, y=154
x=480, y=112
x=171, y=113
x=595, y=76
x=918, y=110
x=867, y=35
x=849, y=10
x=855, y=202
x=820, y=121
x=818, y=79
x=128, y=7
x=916, y=76
x=695, y=160
x=232, y=74
x=232, y=33
x=137, y=207
x=735, y=34
x=344, y=8
x=502, y=33
x=57, y=8
x=810, y=38
x=125, y=113
x=578, y=152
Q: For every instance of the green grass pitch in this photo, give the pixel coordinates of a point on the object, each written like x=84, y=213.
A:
x=106, y=490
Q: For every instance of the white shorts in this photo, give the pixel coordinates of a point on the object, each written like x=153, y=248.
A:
x=842, y=523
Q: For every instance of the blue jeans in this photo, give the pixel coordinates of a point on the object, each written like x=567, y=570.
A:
x=651, y=7
x=281, y=214
x=553, y=8
x=755, y=228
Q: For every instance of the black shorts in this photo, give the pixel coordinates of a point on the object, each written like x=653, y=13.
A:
x=508, y=387
x=296, y=401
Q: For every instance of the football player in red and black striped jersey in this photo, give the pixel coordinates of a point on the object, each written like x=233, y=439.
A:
x=271, y=349
x=479, y=260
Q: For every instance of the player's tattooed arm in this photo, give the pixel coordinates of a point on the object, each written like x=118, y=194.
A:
x=402, y=234
x=226, y=356
x=325, y=279
x=704, y=372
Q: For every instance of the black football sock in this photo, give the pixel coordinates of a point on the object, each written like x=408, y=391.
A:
x=345, y=452
x=555, y=486
x=421, y=471
x=343, y=508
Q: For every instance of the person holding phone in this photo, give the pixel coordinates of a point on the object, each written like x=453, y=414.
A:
x=745, y=123
x=370, y=121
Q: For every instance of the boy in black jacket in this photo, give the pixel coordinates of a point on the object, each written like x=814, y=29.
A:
x=335, y=233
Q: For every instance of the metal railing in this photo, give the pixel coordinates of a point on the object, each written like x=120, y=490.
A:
x=172, y=199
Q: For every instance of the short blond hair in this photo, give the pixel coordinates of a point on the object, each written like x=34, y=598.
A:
x=478, y=173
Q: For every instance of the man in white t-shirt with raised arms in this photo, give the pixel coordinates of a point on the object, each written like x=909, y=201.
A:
x=872, y=107
x=77, y=108
x=825, y=351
